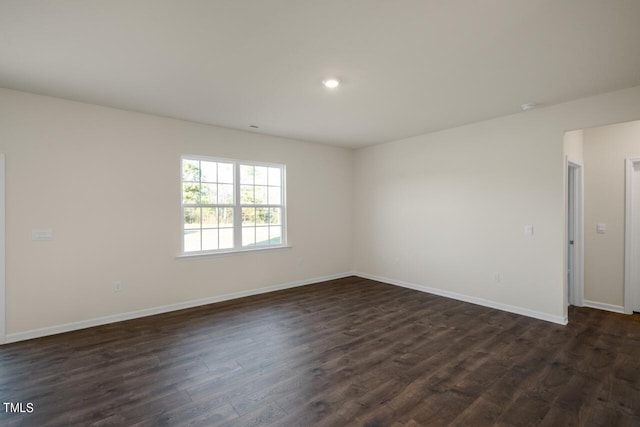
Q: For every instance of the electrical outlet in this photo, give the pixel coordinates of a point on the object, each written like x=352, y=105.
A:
x=117, y=286
x=496, y=277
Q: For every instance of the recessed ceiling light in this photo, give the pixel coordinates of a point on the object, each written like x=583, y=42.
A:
x=528, y=106
x=331, y=83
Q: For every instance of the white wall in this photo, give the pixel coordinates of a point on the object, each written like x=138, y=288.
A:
x=107, y=182
x=446, y=210
x=605, y=151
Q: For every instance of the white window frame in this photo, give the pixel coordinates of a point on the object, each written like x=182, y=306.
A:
x=237, y=207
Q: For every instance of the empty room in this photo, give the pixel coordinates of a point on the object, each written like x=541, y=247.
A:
x=319, y=213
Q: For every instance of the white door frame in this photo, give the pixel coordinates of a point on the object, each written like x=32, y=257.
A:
x=577, y=290
x=628, y=232
x=3, y=330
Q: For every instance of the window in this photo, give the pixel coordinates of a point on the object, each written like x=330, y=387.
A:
x=230, y=205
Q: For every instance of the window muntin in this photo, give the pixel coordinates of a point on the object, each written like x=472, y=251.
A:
x=231, y=205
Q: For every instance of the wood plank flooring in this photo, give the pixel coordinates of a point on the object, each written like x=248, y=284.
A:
x=340, y=353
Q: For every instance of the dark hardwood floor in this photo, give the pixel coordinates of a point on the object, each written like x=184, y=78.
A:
x=346, y=352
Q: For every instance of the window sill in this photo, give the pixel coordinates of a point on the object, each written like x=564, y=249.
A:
x=182, y=257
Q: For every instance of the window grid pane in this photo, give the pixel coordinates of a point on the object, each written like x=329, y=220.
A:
x=208, y=171
x=192, y=241
x=262, y=236
x=248, y=236
x=260, y=175
x=209, y=239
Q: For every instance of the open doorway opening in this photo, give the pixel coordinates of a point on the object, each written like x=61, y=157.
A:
x=574, y=238
x=603, y=176
x=2, y=256
x=632, y=236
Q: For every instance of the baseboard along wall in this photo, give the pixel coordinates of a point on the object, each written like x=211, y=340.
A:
x=466, y=298
x=68, y=327
x=73, y=326
x=603, y=306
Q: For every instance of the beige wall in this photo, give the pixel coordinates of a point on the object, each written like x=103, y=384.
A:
x=444, y=210
x=573, y=145
x=107, y=182
x=605, y=151
x=448, y=209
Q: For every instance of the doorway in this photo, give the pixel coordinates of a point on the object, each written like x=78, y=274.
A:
x=574, y=238
x=2, y=256
x=632, y=236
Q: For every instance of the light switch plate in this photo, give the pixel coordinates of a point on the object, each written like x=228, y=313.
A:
x=601, y=228
x=528, y=230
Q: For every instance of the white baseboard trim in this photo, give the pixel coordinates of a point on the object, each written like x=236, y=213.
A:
x=73, y=326
x=603, y=306
x=466, y=298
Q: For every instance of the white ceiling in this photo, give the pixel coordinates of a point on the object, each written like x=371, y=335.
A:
x=408, y=66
